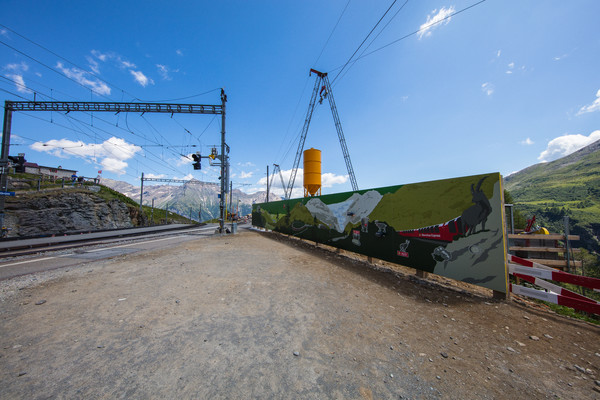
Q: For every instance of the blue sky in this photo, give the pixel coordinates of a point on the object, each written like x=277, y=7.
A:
x=497, y=87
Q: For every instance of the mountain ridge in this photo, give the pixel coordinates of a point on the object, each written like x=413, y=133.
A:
x=569, y=186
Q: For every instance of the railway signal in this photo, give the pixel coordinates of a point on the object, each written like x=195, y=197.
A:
x=197, y=159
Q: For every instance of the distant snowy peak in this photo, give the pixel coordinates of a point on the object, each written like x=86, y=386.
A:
x=351, y=210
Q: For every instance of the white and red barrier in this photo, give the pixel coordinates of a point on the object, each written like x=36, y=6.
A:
x=535, y=273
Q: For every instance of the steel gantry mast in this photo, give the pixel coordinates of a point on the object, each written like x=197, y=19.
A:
x=115, y=107
x=323, y=89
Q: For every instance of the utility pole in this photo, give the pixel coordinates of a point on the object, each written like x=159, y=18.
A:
x=267, y=183
x=4, y=158
x=231, y=198
x=142, y=195
x=152, y=213
x=224, y=165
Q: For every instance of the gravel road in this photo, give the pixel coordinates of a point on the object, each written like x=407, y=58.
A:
x=258, y=315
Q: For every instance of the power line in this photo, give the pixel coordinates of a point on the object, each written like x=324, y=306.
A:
x=54, y=70
x=331, y=34
x=423, y=28
x=364, y=40
x=374, y=39
x=63, y=58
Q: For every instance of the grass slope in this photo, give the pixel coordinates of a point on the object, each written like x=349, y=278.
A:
x=568, y=186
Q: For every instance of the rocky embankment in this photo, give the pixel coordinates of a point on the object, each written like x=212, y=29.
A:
x=62, y=211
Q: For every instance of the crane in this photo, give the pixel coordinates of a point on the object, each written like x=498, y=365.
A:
x=323, y=90
x=275, y=170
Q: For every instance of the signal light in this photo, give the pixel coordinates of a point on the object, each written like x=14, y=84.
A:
x=197, y=158
x=19, y=162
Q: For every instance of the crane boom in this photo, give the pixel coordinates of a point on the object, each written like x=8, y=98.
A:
x=324, y=92
x=275, y=170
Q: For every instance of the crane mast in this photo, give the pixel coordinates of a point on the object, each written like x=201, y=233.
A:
x=325, y=91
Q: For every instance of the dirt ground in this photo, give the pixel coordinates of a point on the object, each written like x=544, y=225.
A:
x=257, y=315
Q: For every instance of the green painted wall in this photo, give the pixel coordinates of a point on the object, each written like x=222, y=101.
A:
x=451, y=227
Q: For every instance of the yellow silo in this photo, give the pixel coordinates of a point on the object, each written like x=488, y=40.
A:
x=312, y=172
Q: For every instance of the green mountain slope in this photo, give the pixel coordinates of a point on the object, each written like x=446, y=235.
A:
x=567, y=186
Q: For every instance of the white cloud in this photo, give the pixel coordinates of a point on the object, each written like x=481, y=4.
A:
x=163, y=70
x=94, y=66
x=179, y=52
x=488, y=88
x=498, y=53
x=567, y=144
x=328, y=179
x=246, y=164
x=127, y=64
x=511, y=65
x=154, y=176
x=19, y=83
x=434, y=19
x=81, y=77
x=527, y=142
x=21, y=67
x=3, y=32
x=560, y=57
x=184, y=178
x=245, y=175
x=113, y=165
x=100, y=56
x=112, y=152
x=140, y=78
x=595, y=106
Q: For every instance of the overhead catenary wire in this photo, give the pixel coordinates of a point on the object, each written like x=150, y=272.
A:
x=364, y=40
x=374, y=39
x=422, y=28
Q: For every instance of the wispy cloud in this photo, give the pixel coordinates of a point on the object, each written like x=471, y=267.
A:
x=179, y=52
x=246, y=164
x=163, y=70
x=567, y=144
x=84, y=78
x=595, y=106
x=434, y=19
x=111, y=154
x=498, y=53
x=527, y=142
x=3, y=32
x=19, y=83
x=510, y=66
x=558, y=58
x=245, y=175
x=488, y=88
x=140, y=78
x=16, y=74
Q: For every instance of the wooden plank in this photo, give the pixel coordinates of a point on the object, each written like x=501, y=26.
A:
x=555, y=263
x=542, y=249
x=553, y=236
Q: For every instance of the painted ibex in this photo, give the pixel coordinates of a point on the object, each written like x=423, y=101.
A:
x=477, y=213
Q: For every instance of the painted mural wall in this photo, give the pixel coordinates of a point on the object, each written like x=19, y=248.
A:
x=451, y=227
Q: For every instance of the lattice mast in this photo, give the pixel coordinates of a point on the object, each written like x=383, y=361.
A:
x=323, y=89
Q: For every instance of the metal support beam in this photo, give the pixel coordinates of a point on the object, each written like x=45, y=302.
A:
x=6, y=126
x=114, y=107
x=224, y=165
